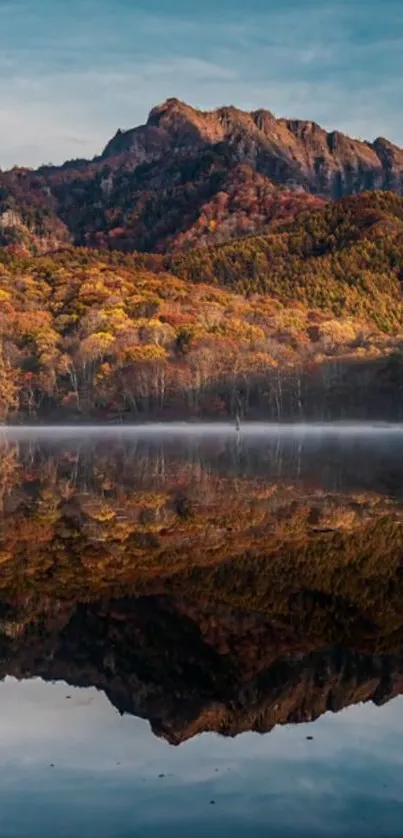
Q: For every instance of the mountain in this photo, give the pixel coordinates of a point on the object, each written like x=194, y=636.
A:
x=291, y=152
x=190, y=177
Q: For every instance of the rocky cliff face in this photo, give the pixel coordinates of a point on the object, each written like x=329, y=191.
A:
x=189, y=177
x=291, y=152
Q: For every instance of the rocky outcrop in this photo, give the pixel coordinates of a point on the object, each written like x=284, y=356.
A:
x=291, y=152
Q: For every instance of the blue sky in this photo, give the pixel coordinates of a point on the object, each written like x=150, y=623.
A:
x=73, y=71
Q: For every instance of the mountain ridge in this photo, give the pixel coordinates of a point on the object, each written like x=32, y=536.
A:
x=189, y=177
x=286, y=139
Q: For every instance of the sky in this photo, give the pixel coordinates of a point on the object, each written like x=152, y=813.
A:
x=76, y=767
x=73, y=71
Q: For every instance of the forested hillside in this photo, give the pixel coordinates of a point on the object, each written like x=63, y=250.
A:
x=346, y=258
x=88, y=335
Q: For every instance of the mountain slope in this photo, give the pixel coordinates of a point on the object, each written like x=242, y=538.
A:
x=345, y=257
x=191, y=177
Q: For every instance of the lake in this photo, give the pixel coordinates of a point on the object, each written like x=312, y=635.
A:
x=201, y=631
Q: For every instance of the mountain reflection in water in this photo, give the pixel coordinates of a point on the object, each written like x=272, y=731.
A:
x=209, y=582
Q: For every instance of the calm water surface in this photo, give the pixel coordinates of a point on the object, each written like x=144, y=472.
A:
x=201, y=631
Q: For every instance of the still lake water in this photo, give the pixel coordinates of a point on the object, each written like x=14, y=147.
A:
x=201, y=632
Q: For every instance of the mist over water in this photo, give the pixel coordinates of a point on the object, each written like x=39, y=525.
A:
x=195, y=429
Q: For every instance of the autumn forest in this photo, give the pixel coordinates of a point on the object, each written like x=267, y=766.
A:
x=304, y=322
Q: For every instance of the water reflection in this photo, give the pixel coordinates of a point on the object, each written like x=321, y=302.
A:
x=206, y=583
x=201, y=586
x=78, y=766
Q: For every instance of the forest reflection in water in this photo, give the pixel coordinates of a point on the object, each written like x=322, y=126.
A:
x=160, y=584
x=205, y=581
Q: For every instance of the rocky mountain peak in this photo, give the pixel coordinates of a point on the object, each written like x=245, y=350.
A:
x=197, y=176
x=168, y=110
